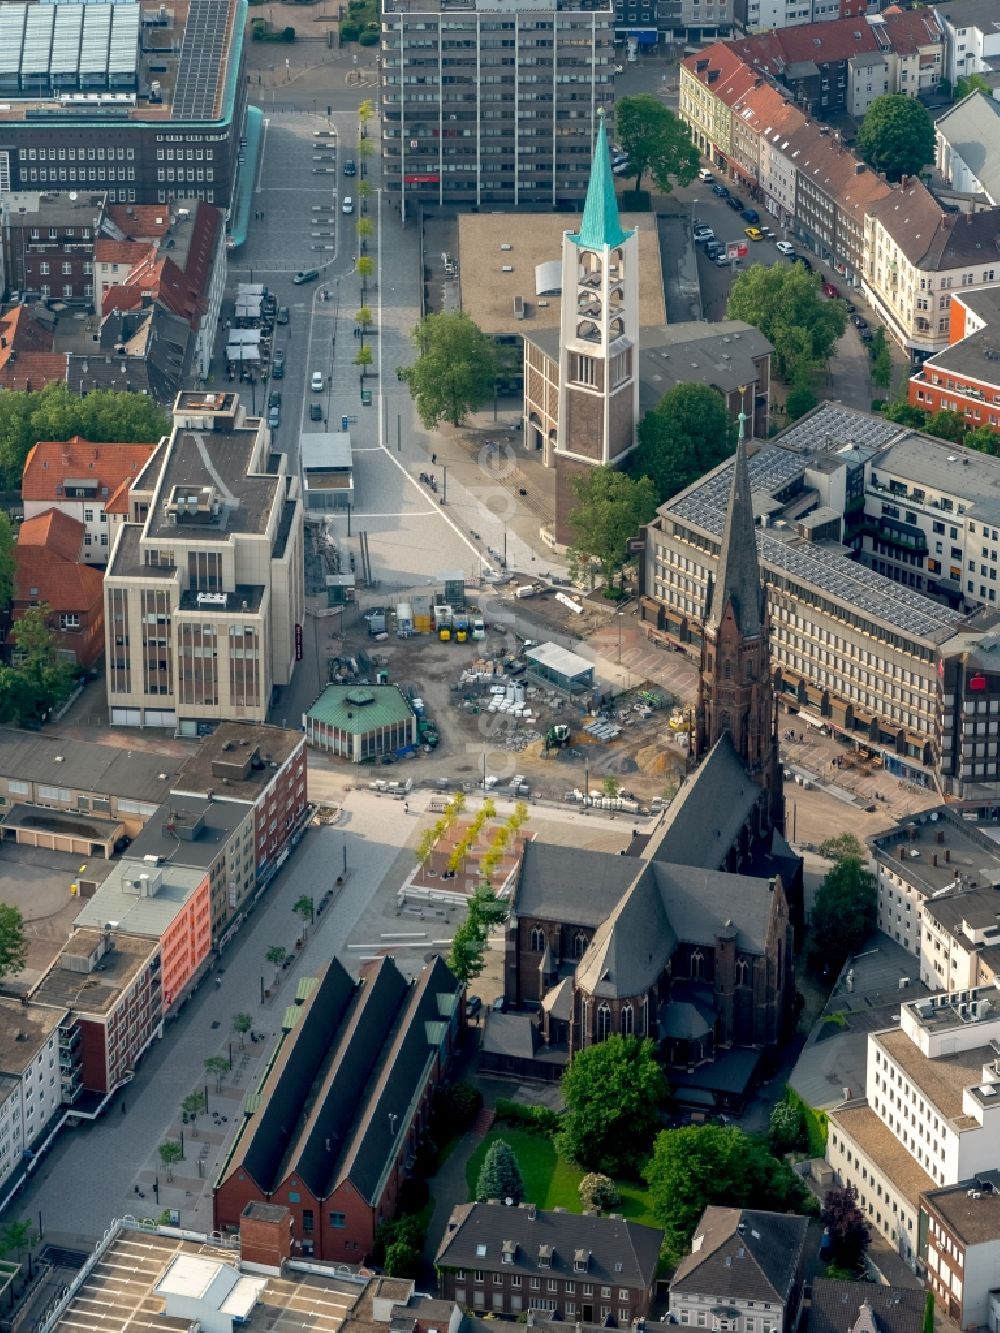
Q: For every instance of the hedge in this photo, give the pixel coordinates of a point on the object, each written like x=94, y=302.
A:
x=816, y=1123
x=532, y=1119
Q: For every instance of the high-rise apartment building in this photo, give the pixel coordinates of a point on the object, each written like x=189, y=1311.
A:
x=493, y=101
x=204, y=592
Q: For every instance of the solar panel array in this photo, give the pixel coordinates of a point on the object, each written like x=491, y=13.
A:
x=54, y=48
x=834, y=424
x=202, y=60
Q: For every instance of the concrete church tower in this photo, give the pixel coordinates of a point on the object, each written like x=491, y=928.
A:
x=599, y=339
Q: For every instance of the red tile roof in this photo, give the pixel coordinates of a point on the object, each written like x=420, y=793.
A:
x=33, y=370
x=51, y=462
x=108, y=251
x=820, y=42
x=61, y=534
x=141, y=222
x=910, y=30
x=24, y=332
x=117, y=501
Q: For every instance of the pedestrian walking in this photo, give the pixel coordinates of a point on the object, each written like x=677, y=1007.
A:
x=124, y=1107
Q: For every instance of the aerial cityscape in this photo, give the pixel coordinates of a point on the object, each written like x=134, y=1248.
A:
x=499, y=665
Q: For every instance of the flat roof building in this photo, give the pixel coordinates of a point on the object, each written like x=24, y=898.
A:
x=327, y=470
x=560, y=667
x=962, y=1226
x=507, y=105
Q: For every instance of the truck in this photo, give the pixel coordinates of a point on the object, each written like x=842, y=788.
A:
x=478, y=628
x=462, y=628
x=525, y=590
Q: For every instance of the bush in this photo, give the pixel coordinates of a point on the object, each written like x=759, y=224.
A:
x=786, y=1129
x=368, y=37
x=599, y=1191
x=402, y=1260
x=414, y=1195
x=878, y=404
x=288, y=34
x=532, y=1119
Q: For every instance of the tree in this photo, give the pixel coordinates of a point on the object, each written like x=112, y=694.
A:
x=365, y=230
x=366, y=110
x=983, y=438
x=844, y=913
x=801, y=396
x=364, y=320
x=881, y=359
x=468, y=946
x=611, y=507
x=242, y=1024
x=38, y=678
x=599, y=1191
x=656, y=141
x=276, y=956
x=401, y=1260
x=848, y=1230
x=613, y=1091
x=455, y=371
x=218, y=1067
x=714, y=1164
x=365, y=151
x=786, y=1128
x=786, y=304
x=906, y=414
x=841, y=845
x=896, y=136
x=365, y=191
x=500, y=1175
x=192, y=1106
x=684, y=436
x=305, y=908
x=928, y=1325
x=54, y=413
x=611, y=786
x=13, y=944
x=947, y=426
x=971, y=83
x=171, y=1153
x=6, y=561
x=363, y=358
x=365, y=269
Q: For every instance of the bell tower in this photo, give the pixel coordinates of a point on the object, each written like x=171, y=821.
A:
x=735, y=693
x=598, y=339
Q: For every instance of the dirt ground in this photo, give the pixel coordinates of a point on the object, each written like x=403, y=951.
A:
x=646, y=758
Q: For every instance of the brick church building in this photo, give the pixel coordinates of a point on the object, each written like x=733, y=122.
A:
x=689, y=938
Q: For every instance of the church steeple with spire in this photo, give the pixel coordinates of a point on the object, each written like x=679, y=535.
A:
x=735, y=693
x=598, y=338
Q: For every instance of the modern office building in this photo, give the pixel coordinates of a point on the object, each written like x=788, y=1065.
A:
x=204, y=591
x=488, y=102
x=145, y=103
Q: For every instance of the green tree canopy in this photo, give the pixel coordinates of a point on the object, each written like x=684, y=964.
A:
x=684, y=436
x=786, y=304
x=456, y=369
x=844, y=913
x=786, y=1128
x=500, y=1176
x=13, y=944
x=614, y=1091
x=906, y=414
x=881, y=359
x=971, y=83
x=54, y=413
x=801, y=396
x=468, y=946
x=896, y=136
x=657, y=142
x=6, y=561
x=38, y=680
x=611, y=507
x=598, y=1191
x=704, y=1164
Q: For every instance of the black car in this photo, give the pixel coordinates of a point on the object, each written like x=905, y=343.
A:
x=736, y=203
x=859, y=321
x=349, y=168
x=473, y=1004
x=315, y=412
x=275, y=398
x=850, y=307
x=305, y=275
x=720, y=190
x=865, y=335
x=750, y=215
x=801, y=259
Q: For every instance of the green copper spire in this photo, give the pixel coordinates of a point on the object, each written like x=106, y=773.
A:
x=601, y=223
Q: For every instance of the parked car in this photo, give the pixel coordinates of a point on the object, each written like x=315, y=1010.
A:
x=865, y=335
x=753, y=233
x=317, y=381
x=850, y=307
x=736, y=203
x=274, y=417
x=473, y=1004
x=801, y=259
x=305, y=275
x=721, y=261
x=721, y=191
x=785, y=248
x=275, y=398
x=702, y=232
x=859, y=321
x=348, y=205
x=830, y=290
x=767, y=233
x=283, y=314
x=714, y=248
x=278, y=364
x=750, y=215
x=499, y=1005
x=349, y=168
x=705, y=175
x=315, y=412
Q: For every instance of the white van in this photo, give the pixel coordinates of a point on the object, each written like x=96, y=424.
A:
x=705, y=175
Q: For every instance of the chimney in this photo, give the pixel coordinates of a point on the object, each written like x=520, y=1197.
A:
x=266, y=1235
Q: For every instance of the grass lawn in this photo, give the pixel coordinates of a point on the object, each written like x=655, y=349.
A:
x=549, y=1181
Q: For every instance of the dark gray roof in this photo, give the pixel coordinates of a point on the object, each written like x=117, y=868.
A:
x=968, y=13
x=244, y=754
x=633, y=945
x=972, y=128
x=737, y=578
x=107, y=770
x=702, y=904
x=757, y=1263
x=619, y=1251
x=359, y=1052
x=248, y=497
x=570, y=883
x=707, y=813
x=509, y=1034
x=836, y=1307
x=213, y=823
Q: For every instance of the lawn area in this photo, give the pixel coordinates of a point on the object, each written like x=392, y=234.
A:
x=550, y=1182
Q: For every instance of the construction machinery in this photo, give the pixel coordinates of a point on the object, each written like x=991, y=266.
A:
x=557, y=737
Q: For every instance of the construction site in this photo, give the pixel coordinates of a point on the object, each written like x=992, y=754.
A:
x=499, y=701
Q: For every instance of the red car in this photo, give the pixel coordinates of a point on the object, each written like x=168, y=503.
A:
x=830, y=290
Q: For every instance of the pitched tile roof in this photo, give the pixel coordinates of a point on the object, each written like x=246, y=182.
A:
x=910, y=30
x=839, y=39
x=933, y=239
x=839, y=1307
x=32, y=370
x=617, y=1251
x=141, y=222
x=42, y=574
x=743, y=1254
x=51, y=462
x=62, y=534
x=24, y=332
x=108, y=251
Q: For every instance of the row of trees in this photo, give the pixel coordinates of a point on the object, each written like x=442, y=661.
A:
x=952, y=426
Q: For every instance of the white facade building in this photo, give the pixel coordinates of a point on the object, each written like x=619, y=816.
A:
x=30, y=1079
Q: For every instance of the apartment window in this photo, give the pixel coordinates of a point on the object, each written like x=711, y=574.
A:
x=69, y=620
x=338, y=1219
